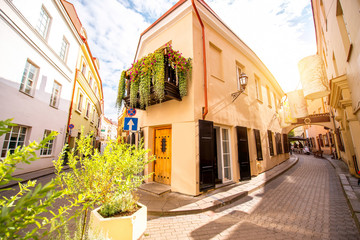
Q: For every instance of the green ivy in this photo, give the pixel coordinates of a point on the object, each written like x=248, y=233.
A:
x=121, y=89
x=151, y=70
x=134, y=89
x=159, y=76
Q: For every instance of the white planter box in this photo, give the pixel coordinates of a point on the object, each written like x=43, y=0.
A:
x=124, y=228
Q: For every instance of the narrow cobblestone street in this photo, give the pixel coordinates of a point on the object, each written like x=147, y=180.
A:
x=306, y=202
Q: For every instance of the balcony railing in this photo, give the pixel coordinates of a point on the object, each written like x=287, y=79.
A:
x=171, y=87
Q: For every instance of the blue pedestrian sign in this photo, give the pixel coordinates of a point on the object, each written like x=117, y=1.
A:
x=130, y=124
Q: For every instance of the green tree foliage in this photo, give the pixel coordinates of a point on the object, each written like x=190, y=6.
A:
x=103, y=179
x=26, y=206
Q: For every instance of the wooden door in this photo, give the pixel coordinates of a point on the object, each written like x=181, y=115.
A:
x=207, y=155
x=243, y=153
x=163, y=156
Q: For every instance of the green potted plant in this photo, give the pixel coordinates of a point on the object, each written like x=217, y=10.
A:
x=109, y=181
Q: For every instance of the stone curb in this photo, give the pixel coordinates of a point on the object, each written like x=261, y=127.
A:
x=351, y=198
x=31, y=176
x=204, y=205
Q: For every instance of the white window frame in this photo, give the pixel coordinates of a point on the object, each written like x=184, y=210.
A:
x=88, y=106
x=55, y=95
x=83, y=69
x=80, y=101
x=91, y=81
x=28, y=83
x=268, y=93
x=49, y=147
x=258, y=89
x=222, y=154
x=93, y=115
x=64, y=49
x=44, y=22
x=13, y=136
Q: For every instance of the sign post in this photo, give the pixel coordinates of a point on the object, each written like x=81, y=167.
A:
x=130, y=124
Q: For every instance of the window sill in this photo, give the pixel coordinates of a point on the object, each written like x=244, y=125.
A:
x=56, y=107
x=260, y=101
x=87, y=118
x=218, y=78
x=26, y=93
x=269, y=106
x=78, y=111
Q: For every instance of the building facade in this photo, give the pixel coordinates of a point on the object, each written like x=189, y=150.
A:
x=337, y=26
x=39, y=51
x=109, y=131
x=215, y=135
x=86, y=106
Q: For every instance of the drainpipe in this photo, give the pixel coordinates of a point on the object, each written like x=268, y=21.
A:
x=71, y=103
x=205, y=109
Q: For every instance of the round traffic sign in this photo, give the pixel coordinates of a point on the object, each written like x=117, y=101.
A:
x=131, y=112
x=71, y=126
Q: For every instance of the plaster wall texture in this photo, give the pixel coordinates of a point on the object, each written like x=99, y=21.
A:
x=185, y=36
x=21, y=43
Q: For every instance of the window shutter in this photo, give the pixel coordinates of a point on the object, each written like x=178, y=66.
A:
x=271, y=145
x=207, y=156
x=286, y=143
x=258, y=144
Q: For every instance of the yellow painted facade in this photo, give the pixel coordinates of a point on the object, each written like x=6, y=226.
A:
x=87, y=103
x=337, y=25
x=256, y=108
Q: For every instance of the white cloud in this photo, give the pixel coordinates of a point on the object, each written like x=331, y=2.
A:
x=280, y=32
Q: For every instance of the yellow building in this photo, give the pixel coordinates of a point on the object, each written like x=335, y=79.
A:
x=86, y=106
x=218, y=133
x=337, y=25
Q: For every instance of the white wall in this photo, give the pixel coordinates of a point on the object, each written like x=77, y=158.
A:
x=20, y=42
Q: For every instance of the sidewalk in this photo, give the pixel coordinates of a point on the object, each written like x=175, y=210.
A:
x=350, y=187
x=171, y=203
x=31, y=176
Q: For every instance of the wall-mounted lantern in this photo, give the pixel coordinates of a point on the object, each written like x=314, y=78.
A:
x=242, y=82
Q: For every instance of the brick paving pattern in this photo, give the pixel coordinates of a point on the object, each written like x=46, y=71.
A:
x=306, y=202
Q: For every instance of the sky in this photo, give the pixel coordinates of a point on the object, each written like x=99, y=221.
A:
x=280, y=32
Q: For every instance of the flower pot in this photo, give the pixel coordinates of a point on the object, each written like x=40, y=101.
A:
x=125, y=228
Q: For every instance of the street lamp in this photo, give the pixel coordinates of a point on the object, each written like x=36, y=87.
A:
x=242, y=82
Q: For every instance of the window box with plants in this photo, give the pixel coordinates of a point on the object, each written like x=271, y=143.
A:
x=158, y=77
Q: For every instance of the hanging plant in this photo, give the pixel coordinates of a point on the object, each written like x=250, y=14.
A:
x=121, y=90
x=184, y=76
x=150, y=70
x=159, y=75
x=134, y=89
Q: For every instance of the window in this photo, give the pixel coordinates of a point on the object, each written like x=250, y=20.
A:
x=93, y=115
x=47, y=150
x=79, y=107
x=343, y=31
x=271, y=145
x=91, y=81
x=28, y=80
x=88, y=109
x=96, y=90
x=258, y=144
x=64, y=49
x=215, y=61
x=13, y=139
x=258, y=89
x=278, y=143
x=275, y=102
x=83, y=69
x=225, y=142
x=44, y=23
x=268, y=96
x=55, y=95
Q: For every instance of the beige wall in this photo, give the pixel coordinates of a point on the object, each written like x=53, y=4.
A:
x=185, y=36
x=338, y=43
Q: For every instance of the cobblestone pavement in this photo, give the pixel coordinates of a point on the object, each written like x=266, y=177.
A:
x=306, y=202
